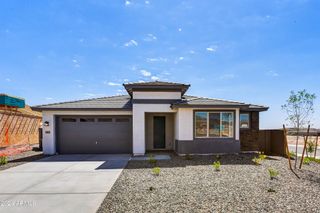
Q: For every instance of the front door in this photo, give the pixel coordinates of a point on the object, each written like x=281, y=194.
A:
x=159, y=132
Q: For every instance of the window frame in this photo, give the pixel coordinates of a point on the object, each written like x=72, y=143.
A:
x=249, y=120
x=87, y=120
x=208, y=121
x=68, y=120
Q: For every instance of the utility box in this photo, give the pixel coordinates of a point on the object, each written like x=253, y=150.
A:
x=11, y=101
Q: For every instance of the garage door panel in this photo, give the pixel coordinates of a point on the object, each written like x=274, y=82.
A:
x=99, y=137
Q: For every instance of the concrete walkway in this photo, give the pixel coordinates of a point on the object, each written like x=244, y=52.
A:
x=300, y=150
x=62, y=183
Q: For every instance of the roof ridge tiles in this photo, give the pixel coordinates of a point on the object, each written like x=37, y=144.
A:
x=76, y=101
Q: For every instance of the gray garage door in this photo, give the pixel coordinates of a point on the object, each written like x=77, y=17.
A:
x=94, y=135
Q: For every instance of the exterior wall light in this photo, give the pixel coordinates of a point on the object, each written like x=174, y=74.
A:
x=46, y=123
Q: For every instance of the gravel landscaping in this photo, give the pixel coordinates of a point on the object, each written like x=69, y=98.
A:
x=22, y=158
x=194, y=186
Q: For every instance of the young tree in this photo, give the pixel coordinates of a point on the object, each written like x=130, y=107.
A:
x=299, y=108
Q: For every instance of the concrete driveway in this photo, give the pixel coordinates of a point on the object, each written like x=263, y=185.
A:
x=61, y=183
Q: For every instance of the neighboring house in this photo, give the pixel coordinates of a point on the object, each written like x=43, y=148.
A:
x=153, y=116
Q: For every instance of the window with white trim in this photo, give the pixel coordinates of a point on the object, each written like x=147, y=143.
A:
x=214, y=124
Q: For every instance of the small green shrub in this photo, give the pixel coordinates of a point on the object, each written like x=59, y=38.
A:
x=273, y=173
x=271, y=190
x=151, y=188
x=156, y=171
x=256, y=161
x=314, y=159
x=306, y=161
x=188, y=157
x=310, y=147
x=3, y=159
x=292, y=155
x=262, y=157
x=216, y=165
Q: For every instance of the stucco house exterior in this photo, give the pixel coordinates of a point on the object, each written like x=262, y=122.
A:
x=152, y=116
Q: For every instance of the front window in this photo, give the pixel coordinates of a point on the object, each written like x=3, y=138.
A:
x=201, y=124
x=214, y=124
x=244, y=120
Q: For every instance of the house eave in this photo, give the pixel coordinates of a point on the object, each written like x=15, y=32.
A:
x=40, y=109
x=262, y=109
x=209, y=106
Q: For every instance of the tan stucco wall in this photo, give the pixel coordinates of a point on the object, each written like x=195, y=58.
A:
x=169, y=130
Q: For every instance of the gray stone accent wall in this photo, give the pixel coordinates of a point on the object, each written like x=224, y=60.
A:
x=249, y=138
x=207, y=146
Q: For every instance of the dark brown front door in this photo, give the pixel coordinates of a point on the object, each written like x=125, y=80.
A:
x=159, y=132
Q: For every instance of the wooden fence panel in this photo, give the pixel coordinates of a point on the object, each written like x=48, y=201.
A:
x=18, y=129
x=271, y=142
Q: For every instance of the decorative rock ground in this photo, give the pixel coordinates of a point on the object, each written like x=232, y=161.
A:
x=194, y=186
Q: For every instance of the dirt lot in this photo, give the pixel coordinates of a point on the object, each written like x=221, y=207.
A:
x=292, y=140
x=194, y=186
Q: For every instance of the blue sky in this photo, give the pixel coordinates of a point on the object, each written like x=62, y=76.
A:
x=253, y=51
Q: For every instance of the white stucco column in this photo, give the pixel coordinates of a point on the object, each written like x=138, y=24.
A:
x=237, y=126
x=48, y=136
x=138, y=128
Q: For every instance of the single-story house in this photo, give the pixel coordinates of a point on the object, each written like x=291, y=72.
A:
x=153, y=116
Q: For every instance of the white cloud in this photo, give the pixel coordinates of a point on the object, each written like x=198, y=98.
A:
x=158, y=59
x=75, y=63
x=166, y=73
x=8, y=79
x=192, y=52
x=131, y=43
x=141, y=81
x=112, y=84
x=92, y=95
x=49, y=98
x=212, y=48
x=127, y=3
x=227, y=77
x=155, y=78
x=125, y=80
x=150, y=37
x=272, y=73
x=147, y=2
x=145, y=73
x=177, y=60
x=179, y=29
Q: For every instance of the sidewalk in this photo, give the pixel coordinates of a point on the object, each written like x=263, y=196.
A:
x=300, y=150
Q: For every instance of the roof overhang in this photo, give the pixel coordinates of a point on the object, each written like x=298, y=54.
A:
x=41, y=109
x=257, y=109
x=209, y=106
x=131, y=87
x=242, y=107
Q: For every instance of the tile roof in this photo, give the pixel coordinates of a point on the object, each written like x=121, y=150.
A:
x=156, y=85
x=123, y=102
x=194, y=100
x=113, y=102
